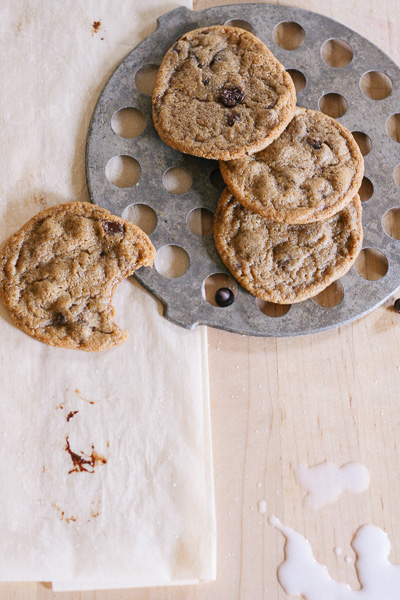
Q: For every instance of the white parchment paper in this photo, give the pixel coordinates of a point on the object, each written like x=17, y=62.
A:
x=143, y=514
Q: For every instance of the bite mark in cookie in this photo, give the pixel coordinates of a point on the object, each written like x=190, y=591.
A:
x=59, y=271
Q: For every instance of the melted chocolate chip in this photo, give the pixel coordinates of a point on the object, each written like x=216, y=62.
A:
x=283, y=263
x=316, y=144
x=397, y=305
x=59, y=319
x=231, y=96
x=72, y=414
x=206, y=80
x=82, y=462
x=113, y=227
x=232, y=118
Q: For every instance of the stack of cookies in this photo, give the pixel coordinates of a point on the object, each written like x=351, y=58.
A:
x=289, y=221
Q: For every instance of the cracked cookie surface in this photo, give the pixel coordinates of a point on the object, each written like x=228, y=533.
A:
x=221, y=94
x=308, y=174
x=285, y=263
x=59, y=271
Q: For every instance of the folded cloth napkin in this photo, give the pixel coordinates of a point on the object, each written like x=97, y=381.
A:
x=105, y=458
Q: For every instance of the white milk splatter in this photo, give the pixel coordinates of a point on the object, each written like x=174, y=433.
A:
x=302, y=575
x=325, y=482
x=262, y=506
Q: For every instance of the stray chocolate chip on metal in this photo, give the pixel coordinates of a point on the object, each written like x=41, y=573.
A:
x=224, y=297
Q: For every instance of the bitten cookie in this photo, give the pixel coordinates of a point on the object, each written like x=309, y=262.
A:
x=284, y=263
x=308, y=174
x=221, y=94
x=59, y=271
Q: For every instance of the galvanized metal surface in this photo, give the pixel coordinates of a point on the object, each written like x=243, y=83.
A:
x=182, y=297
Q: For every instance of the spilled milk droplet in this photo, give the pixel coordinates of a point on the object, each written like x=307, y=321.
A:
x=301, y=574
x=262, y=506
x=326, y=481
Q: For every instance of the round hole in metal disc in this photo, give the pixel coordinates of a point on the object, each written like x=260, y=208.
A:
x=217, y=180
x=128, y=122
x=172, y=261
x=393, y=127
x=330, y=296
x=366, y=190
x=371, y=264
x=376, y=85
x=396, y=175
x=270, y=309
x=145, y=79
x=363, y=141
x=177, y=180
x=332, y=104
x=242, y=24
x=123, y=171
x=141, y=215
x=200, y=221
x=298, y=78
x=214, y=282
x=391, y=223
x=289, y=35
x=337, y=53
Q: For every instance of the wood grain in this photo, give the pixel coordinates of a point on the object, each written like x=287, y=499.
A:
x=280, y=402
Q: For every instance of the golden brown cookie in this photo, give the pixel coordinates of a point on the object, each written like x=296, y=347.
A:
x=59, y=271
x=285, y=263
x=221, y=94
x=308, y=174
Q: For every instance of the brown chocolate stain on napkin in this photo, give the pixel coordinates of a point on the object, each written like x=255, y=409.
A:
x=72, y=414
x=63, y=517
x=83, y=462
x=81, y=397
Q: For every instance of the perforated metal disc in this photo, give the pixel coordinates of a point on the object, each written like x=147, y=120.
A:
x=182, y=297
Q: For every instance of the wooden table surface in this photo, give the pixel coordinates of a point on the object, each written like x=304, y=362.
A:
x=277, y=403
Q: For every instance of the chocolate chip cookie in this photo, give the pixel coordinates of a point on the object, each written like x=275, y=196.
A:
x=221, y=94
x=308, y=174
x=59, y=271
x=285, y=263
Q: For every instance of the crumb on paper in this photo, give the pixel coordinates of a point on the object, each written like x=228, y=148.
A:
x=82, y=397
x=72, y=414
x=63, y=517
